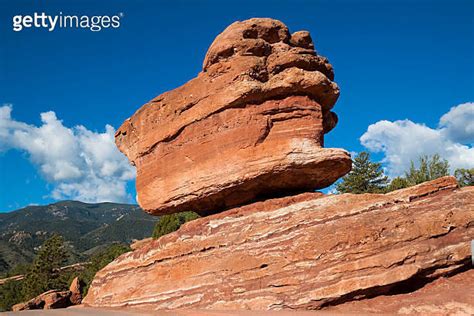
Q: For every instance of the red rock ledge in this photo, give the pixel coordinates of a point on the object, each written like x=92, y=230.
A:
x=298, y=253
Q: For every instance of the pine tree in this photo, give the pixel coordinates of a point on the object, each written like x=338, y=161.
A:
x=366, y=176
x=429, y=168
x=45, y=273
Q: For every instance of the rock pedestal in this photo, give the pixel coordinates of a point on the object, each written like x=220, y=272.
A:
x=304, y=252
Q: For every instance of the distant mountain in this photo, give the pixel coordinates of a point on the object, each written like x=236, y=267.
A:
x=86, y=228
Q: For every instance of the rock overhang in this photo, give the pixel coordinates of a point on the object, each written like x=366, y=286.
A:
x=251, y=124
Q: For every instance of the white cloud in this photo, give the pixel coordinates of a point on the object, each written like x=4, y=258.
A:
x=404, y=141
x=81, y=164
x=458, y=123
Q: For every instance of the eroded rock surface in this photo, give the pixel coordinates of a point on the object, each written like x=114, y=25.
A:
x=54, y=298
x=444, y=296
x=308, y=251
x=48, y=300
x=76, y=291
x=250, y=125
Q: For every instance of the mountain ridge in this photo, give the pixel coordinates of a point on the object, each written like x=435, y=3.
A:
x=86, y=227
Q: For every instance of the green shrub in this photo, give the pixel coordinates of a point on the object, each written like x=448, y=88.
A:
x=397, y=184
x=11, y=293
x=170, y=223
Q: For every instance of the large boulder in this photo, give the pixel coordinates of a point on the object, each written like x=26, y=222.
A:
x=307, y=251
x=249, y=126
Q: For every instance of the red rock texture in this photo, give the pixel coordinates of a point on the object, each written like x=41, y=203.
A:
x=250, y=125
x=303, y=252
x=444, y=296
x=47, y=300
x=54, y=298
x=76, y=291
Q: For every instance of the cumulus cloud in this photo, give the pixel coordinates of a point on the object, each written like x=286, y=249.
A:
x=404, y=141
x=458, y=123
x=80, y=164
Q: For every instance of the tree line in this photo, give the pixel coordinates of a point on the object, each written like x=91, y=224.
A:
x=45, y=272
x=369, y=177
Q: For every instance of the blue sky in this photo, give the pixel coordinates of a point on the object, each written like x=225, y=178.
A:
x=400, y=65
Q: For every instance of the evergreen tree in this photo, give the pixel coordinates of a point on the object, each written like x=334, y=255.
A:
x=3, y=265
x=429, y=168
x=170, y=223
x=45, y=273
x=365, y=177
x=465, y=177
x=397, y=184
x=10, y=294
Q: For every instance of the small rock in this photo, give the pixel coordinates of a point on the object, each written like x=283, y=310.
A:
x=302, y=39
x=76, y=289
x=48, y=300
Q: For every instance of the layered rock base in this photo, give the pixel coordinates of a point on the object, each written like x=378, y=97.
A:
x=444, y=296
x=308, y=251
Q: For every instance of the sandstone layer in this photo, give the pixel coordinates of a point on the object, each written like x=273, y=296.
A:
x=308, y=251
x=249, y=126
x=444, y=296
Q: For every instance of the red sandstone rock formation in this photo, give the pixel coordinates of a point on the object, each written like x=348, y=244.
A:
x=48, y=300
x=303, y=252
x=54, y=298
x=444, y=296
x=76, y=289
x=251, y=124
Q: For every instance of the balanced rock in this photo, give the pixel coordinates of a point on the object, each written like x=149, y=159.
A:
x=249, y=126
x=307, y=251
